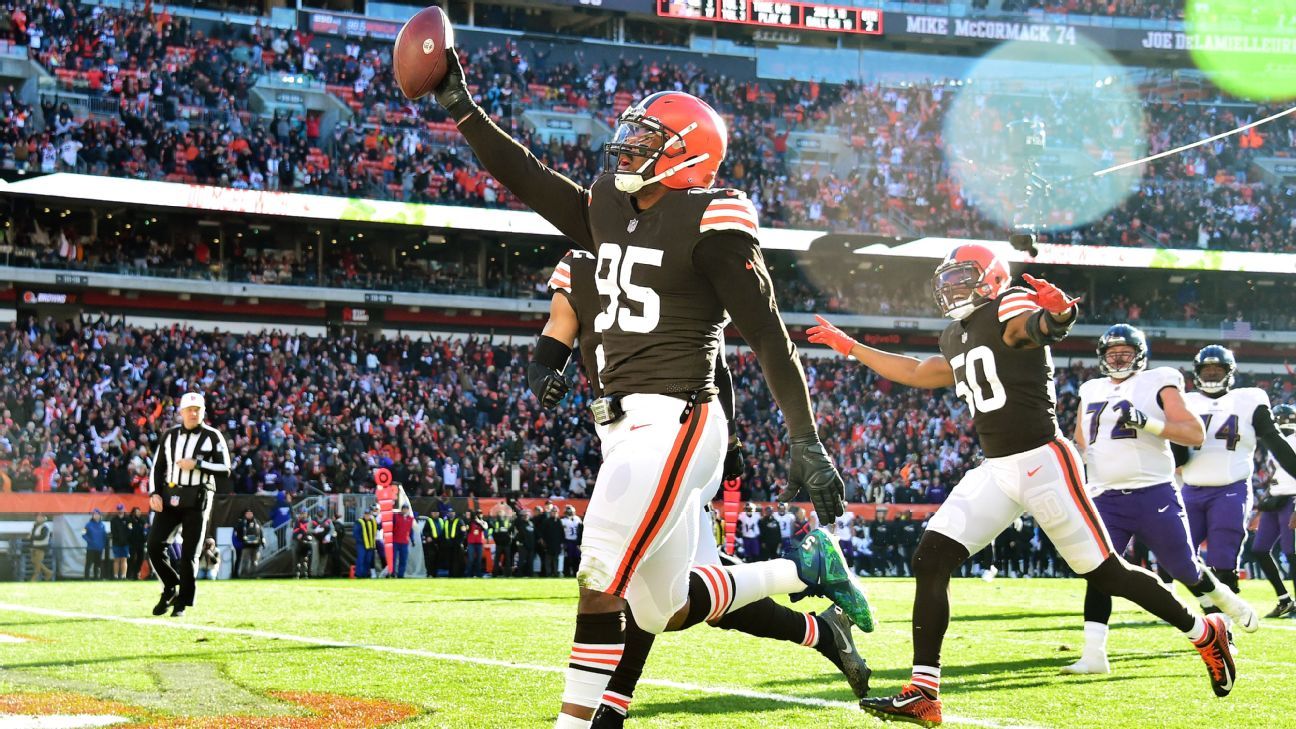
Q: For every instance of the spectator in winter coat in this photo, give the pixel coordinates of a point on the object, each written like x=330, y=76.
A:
x=119, y=536
x=139, y=528
x=248, y=531
x=40, y=541
x=95, y=535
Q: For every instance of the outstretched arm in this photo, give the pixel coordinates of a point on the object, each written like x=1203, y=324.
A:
x=1269, y=434
x=556, y=198
x=931, y=373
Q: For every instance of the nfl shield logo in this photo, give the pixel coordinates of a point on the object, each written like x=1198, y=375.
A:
x=633, y=224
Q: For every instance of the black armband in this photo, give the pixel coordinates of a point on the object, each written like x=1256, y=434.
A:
x=1056, y=333
x=551, y=353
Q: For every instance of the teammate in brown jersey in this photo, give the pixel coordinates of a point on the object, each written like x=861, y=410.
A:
x=673, y=255
x=996, y=356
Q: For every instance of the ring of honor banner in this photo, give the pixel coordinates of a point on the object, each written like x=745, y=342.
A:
x=387, y=495
x=732, y=505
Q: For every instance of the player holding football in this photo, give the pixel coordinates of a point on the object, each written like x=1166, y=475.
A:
x=996, y=356
x=1278, y=518
x=1126, y=424
x=572, y=310
x=673, y=255
x=1217, y=476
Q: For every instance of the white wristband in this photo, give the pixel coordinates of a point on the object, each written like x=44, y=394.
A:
x=1154, y=426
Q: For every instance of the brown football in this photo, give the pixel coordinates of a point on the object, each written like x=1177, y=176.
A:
x=419, y=59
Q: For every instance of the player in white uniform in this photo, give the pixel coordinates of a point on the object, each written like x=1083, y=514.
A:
x=1217, y=476
x=749, y=530
x=787, y=522
x=1278, y=518
x=572, y=528
x=1126, y=423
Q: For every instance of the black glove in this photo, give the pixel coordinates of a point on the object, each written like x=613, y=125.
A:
x=813, y=471
x=452, y=93
x=1132, y=417
x=548, y=384
x=735, y=461
x=544, y=371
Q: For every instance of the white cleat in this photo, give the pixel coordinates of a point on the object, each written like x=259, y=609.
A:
x=1243, y=615
x=1089, y=664
x=989, y=574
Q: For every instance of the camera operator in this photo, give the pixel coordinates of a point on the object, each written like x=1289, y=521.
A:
x=190, y=458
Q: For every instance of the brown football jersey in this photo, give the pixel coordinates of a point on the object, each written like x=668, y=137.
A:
x=1008, y=390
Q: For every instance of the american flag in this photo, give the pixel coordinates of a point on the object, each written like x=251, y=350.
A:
x=1236, y=330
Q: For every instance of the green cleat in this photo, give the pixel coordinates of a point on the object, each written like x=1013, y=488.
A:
x=822, y=566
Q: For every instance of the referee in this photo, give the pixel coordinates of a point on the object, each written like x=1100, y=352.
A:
x=189, y=459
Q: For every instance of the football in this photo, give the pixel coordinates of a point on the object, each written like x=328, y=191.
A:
x=419, y=60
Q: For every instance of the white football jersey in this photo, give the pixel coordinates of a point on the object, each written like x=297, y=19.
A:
x=749, y=525
x=1284, y=484
x=785, y=524
x=1126, y=457
x=1227, y=454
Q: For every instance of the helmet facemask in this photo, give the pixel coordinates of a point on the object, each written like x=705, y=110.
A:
x=1215, y=385
x=641, y=137
x=959, y=288
x=1127, y=363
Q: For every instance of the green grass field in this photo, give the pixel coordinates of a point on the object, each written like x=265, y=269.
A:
x=440, y=653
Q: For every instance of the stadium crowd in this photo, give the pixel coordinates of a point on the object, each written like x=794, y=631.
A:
x=82, y=410
x=181, y=99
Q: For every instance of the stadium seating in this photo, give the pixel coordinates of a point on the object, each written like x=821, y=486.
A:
x=186, y=91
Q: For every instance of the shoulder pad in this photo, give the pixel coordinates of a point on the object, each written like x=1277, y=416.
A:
x=1016, y=300
x=729, y=210
x=561, y=278
x=1167, y=377
x=1257, y=396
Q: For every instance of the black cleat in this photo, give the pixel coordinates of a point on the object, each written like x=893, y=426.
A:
x=1284, y=608
x=853, y=666
x=178, y=611
x=910, y=705
x=606, y=717
x=164, y=602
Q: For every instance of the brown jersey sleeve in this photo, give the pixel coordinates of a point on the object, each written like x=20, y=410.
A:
x=555, y=197
x=732, y=261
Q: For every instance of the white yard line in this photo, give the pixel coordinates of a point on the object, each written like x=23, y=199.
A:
x=474, y=660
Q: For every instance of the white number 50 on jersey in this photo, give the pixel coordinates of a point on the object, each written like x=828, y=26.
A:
x=978, y=358
x=612, y=273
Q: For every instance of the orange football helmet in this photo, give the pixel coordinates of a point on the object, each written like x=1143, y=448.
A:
x=680, y=137
x=970, y=276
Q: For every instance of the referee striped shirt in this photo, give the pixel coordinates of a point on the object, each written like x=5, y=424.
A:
x=204, y=444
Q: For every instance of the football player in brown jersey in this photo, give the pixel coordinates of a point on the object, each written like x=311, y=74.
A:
x=572, y=310
x=673, y=255
x=995, y=354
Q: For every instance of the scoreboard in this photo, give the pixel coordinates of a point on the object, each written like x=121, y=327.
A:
x=788, y=15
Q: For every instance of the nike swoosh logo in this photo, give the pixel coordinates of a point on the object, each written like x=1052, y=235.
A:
x=1162, y=509
x=899, y=704
x=1228, y=686
x=1033, y=471
x=642, y=425
x=1234, y=493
